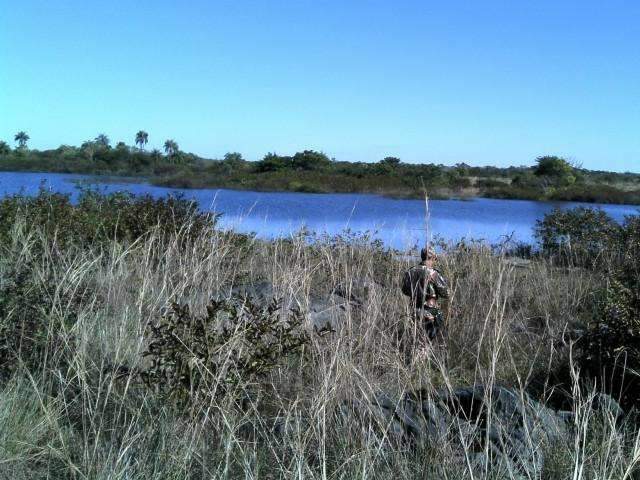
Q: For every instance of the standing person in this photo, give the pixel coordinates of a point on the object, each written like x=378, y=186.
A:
x=425, y=285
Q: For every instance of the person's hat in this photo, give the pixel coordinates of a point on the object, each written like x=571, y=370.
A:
x=428, y=253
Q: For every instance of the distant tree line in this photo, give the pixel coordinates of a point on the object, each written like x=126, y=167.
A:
x=549, y=178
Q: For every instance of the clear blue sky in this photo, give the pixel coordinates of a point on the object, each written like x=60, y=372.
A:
x=484, y=82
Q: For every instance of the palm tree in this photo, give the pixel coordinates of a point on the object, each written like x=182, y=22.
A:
x=142, y=138
x=22, y=138
x=102, y=140
x=171, y=147
x=5, y=149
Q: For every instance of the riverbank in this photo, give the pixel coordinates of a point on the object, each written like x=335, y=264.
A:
x=590, y=193
x=314, y=172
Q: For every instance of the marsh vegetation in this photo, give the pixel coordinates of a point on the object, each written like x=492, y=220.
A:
x=129, y=350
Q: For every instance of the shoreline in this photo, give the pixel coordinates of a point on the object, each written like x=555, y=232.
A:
x=435, y=194
x=114, y=179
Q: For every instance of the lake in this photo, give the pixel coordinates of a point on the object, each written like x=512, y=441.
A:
x=398, y=223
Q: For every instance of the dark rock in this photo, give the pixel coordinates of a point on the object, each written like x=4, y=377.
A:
x=515, y=425
x=517, y=262
x=357, y=291
x=504, y=428
x=257, y=291
x=325, y=312
x=606, y=405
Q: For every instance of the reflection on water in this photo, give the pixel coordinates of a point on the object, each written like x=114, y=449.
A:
x=399, y=223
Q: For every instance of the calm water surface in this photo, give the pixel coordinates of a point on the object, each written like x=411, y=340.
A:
x=399, y=223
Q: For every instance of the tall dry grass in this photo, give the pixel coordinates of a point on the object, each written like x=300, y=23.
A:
x=79, y=414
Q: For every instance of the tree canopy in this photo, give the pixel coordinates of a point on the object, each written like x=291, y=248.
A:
x=552, y=166
x=391, y=161
x=557, y=169
x=310, y=160
x=5, y=149
x=171, y=147
x=22, y=138
x=102, y=140
x=142, y=138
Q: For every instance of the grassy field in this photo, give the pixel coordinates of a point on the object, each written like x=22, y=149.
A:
x=76, y=313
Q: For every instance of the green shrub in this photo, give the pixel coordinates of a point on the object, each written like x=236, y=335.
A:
x=610, y=351
x=125, y=216
x=580, y=236
x=555, y=171
x=523, y=185
x=31, y=330
x=490, y=183
x=198, y=359
x=98, y=217
x=595, y=194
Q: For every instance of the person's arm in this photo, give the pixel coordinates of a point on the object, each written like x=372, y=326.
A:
x=440, y=284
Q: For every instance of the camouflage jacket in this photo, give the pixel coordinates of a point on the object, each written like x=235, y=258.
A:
x=424, y=285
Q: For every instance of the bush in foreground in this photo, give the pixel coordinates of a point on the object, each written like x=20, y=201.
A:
x=198, y=360
x=99, y=218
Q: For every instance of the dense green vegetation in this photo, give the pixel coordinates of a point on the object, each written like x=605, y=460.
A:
x=550, y=178
x=590, y=239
